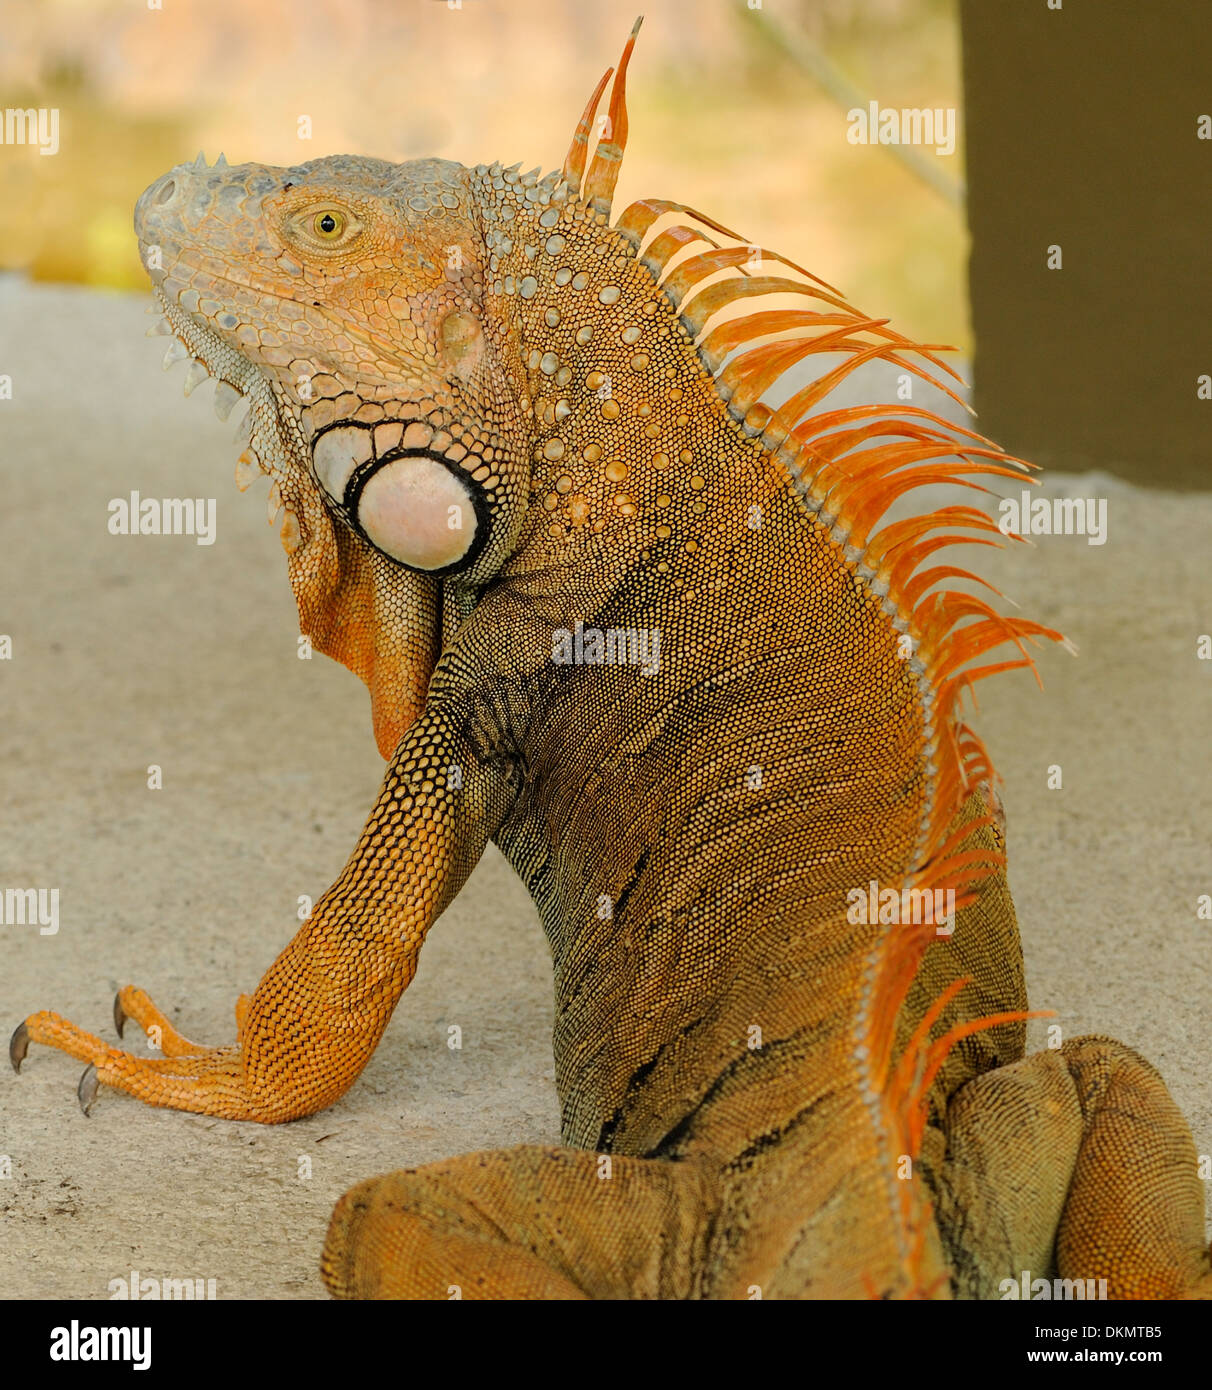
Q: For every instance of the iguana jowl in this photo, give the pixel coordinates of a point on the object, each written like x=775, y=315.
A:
x=513, y=443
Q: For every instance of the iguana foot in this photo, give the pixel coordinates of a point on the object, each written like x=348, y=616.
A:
x=205, y=1080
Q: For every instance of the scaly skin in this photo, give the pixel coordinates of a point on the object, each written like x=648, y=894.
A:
x=487, y=417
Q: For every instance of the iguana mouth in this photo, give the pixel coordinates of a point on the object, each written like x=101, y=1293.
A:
x=271, y=440
x=211, y=356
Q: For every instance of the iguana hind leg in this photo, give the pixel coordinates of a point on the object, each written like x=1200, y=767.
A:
x=524, y=1223
x=1073, y=1164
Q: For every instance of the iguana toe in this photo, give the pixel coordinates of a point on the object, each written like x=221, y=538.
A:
x=132, y=1003
x=206, y=1080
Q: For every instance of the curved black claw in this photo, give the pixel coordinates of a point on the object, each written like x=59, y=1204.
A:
x=18, y=1046
x=88, y=1088
x=120, y=1014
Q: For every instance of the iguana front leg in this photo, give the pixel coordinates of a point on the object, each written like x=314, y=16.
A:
x=318, y=1014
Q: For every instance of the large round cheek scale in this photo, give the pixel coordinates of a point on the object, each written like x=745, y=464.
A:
x=419, y=512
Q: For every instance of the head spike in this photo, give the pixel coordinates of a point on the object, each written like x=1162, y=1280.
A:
x=604, y=171
x=574, y=161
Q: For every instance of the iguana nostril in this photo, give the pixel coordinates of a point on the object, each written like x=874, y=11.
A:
x=167, y=189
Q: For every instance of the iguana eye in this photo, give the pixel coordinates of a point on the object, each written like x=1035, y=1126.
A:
x=323, y=228
x=328, y=225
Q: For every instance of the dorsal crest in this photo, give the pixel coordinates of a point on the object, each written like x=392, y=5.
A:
x=752, y=315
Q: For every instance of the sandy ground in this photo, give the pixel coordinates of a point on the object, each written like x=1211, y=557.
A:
x=129, y=652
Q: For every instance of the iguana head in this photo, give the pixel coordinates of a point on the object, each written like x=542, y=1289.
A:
x=413, y=341
x=353, y=289
x=345, y=299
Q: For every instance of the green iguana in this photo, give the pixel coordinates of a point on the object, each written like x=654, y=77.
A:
x=658, y=642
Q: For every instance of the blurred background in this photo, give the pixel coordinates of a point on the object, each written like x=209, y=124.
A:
x=734, y=110
x=1079, y=126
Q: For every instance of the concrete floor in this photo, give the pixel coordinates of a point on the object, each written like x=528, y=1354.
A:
x=129, y=652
